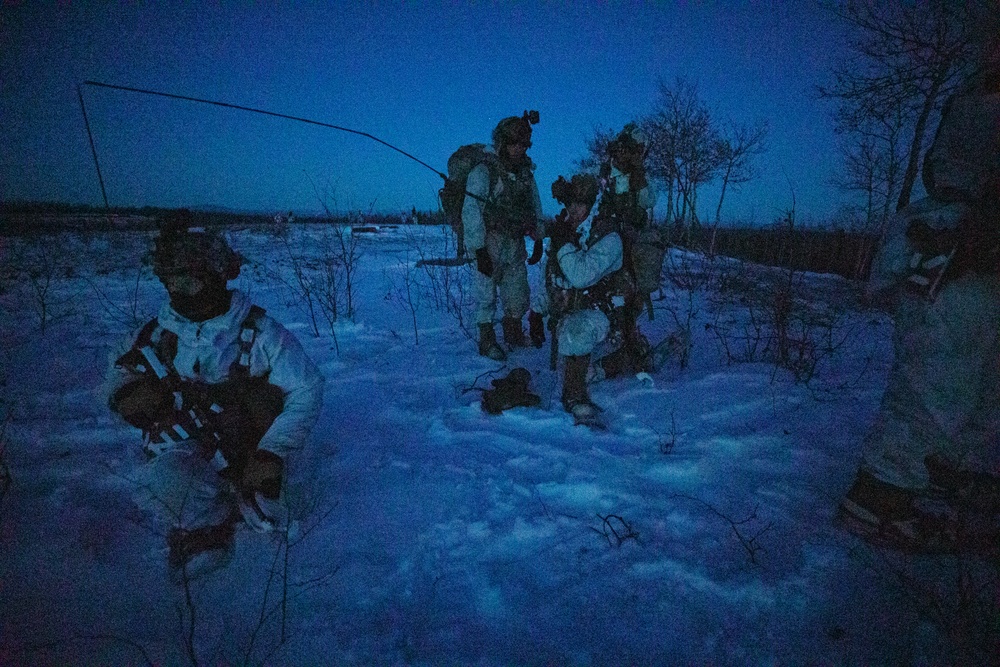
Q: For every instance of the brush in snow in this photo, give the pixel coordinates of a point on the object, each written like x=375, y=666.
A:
x=445, y=261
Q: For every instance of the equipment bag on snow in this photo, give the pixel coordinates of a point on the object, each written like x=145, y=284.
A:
x=510, y=392
x=461, y=162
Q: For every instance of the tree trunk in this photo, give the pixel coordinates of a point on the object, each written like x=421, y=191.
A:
x=919, y=130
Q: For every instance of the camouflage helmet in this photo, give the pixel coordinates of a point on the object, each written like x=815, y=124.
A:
x=513, y=129
x=582, y=188
x=179, y=248
x=631, y=142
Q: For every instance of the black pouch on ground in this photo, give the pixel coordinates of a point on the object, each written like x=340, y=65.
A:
x=510, y=392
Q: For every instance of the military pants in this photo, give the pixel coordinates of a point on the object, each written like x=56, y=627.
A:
x=943, y=394
x=509, y=281
x=581, y=331
x=183, y=490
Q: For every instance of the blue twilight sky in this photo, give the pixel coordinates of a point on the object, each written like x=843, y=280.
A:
x=424, y=77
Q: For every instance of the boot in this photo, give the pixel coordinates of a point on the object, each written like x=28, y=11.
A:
x=513, y=334
x=195, y=552
x=887, y=516
x=488, y=346
x=510, y=392
x=536, y=328
x=614, y=364
x=575, y=398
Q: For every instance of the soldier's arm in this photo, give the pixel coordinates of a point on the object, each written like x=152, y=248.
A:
x=537, y=204
x=478, y=183
x=132, y=388
x=584, y=268
x=292, y=371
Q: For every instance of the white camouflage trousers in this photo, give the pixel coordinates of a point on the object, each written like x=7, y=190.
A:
x=179, y=487
x=943, y=394
x=509, y=280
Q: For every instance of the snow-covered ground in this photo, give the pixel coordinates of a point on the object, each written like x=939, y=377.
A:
x=696, y=530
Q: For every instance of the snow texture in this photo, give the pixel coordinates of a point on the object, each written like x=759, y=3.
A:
x=697, y=529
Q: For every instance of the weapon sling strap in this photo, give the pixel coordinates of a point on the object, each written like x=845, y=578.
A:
x=160, y=345
x=240, y=368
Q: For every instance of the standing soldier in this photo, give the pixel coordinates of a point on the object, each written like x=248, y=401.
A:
x=937, y=433
x=582, y=275
x=503, y=209
x=224, y=396
x=627, y=202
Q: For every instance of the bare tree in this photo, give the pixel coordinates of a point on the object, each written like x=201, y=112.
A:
x=905, y=59
x=873, y=164
x=735, y=150
x=597, y=150
x=682, y=147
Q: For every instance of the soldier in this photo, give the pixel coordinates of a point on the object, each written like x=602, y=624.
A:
x=582, y=273
x=937, y=434
x=223, y=394
x=627, y=201
x=505, y=207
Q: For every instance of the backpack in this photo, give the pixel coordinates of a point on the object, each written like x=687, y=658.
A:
x=452, y=195
x=963, y=162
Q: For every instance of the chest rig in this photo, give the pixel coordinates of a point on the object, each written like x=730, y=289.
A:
x=229, y=417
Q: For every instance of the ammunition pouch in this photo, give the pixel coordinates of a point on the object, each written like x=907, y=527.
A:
x=511, y=213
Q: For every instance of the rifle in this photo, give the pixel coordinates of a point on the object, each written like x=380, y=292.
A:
x=164, y=426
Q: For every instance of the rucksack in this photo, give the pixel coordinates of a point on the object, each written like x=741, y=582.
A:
x=963, y=162
x=452, y=195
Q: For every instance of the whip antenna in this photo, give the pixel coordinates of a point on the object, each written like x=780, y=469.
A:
x=252, y=110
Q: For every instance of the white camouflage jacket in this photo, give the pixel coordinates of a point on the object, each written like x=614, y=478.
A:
x=478, y=183
x=205, y=351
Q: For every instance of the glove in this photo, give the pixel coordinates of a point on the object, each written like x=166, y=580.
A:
x=143, y=402
x=484, y=263
x=536, y=252
x=263, y=474
x=563, y=233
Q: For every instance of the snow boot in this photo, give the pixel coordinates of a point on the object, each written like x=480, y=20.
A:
x=513, y=334
x=977, y=491
x=198, y=551
x=536, y=328
x=886, y=515
x=575, y=398
x=488, y=346
x=614, y=364
x=510, y=392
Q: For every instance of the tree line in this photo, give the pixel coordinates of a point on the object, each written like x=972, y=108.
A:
x=903, y=60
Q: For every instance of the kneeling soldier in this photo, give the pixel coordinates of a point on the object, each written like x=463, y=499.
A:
x=585, y=262
x=223, y=394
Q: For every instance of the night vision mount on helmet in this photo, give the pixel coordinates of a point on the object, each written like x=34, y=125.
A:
x=181, y=248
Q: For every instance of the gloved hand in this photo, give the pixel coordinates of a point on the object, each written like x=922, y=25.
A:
x=563, y=233
x=536, y=252
x=263, y=474
x=143, y=402
x=484, y=263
